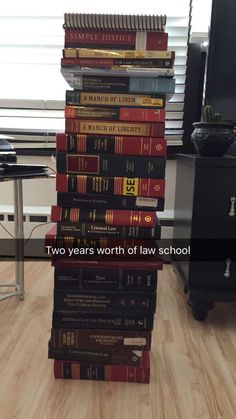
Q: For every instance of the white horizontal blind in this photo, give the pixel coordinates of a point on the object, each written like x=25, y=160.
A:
x=32, y=88
x=201, y=16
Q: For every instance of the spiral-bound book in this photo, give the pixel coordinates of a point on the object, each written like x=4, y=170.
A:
x=115, y=22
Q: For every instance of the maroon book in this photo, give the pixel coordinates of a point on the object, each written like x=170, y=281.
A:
x=109, y=144
x=115, y=114
x=106, y=216
x=156, y=41
x=89, y=371
x=102, y=338
x=111, y=185
x=147, y=264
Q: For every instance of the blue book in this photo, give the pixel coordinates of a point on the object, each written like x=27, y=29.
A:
x=116, y=84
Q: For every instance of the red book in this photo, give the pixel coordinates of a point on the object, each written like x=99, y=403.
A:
x=110, y=217
x=79, y=126
x=140, y=146
x=87, y=371
x=110, y=185
x=115, y=114
x=132, y=40
x=147, y=264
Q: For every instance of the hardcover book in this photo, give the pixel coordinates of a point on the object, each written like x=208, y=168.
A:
x=100, y=230
x=111, y=185
x=105, y=301
x=98, y=320
x=101, y=339
x=111, y=165
x=106, y=216
x=101, y=357
x=112, y=277
x=83, y=371
x=109, y=144
x=77, y=200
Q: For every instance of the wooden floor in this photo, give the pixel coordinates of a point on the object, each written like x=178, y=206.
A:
x=193, y=363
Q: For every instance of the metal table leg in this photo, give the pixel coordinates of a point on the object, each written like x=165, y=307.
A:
x=18, y=284
x=19, y=235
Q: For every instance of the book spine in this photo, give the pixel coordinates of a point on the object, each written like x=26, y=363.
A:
x=102, y=321
x=111, y=165
x=152, y=84
x=109, y=63
x=111, y=185
x=97, y=356
x=109, y=217
x=150, y=129
x=76, y=97
x=93, y=230
x=130, y=54
x=77, y=200
x=106, y=301
x=124, y=84
x=156, y=41
x=115, y=114
x=101, y=339
x=82, y=278
x=142, y=146
x=117, y=373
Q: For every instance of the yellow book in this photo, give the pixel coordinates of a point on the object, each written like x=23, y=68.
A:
x=129, y=54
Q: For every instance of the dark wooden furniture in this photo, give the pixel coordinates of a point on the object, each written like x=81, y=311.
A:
x=205, y=217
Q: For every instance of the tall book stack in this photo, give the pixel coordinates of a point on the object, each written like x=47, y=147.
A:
x=110, y=183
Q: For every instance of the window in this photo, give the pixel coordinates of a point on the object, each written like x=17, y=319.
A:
x=31, y=40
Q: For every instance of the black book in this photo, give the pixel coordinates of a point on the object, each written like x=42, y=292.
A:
x=93, y=230
x=84, y=320
x=105, y=279
x=76, y=200
x=111, y=165
x=105, y=301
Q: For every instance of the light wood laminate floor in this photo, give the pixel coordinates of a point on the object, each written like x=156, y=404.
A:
x=193, y=364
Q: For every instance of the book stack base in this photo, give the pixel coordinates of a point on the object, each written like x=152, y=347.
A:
x=110, y=184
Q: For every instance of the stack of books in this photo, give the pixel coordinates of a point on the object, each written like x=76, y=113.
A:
x=110, y=183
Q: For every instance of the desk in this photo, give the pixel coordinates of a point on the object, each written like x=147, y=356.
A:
x=18, y=282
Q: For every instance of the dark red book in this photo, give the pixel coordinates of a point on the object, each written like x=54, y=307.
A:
x=150, y=263
x=115, y=114
x=140, y=129
x=83, y=371
x=110, y=217
x=110, y=185
x=109, y=144
x=116, y=39
x=101, y=339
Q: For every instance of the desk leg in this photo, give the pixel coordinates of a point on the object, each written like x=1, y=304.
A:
x=19, y=235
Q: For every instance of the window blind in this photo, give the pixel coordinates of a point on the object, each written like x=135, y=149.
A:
x=32, y=88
